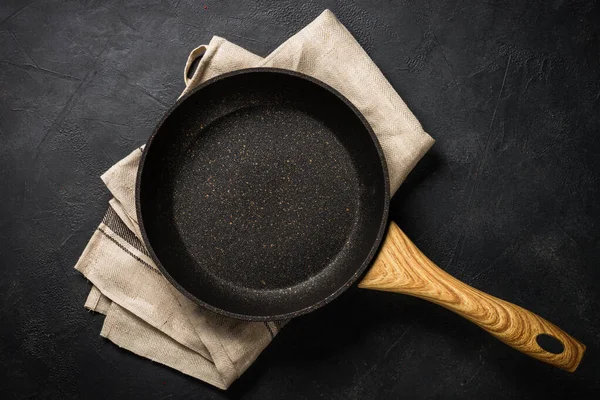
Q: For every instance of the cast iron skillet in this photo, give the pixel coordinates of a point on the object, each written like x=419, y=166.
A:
x=263, y=195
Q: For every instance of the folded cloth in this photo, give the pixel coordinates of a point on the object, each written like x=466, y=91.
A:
x=144, y=312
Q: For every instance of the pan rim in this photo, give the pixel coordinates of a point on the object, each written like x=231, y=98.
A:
x=338, y=291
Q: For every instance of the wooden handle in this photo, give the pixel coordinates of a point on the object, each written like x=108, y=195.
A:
x=400, y=267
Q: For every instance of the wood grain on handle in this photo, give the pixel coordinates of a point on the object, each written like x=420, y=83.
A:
x=401, y=267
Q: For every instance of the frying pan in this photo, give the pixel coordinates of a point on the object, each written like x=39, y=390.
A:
x=263, y=194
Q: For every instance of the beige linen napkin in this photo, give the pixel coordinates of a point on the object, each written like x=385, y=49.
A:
x=148, y=316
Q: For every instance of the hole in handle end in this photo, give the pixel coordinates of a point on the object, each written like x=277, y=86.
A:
x=550, y=343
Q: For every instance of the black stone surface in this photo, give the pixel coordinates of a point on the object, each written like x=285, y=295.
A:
x=506, y=200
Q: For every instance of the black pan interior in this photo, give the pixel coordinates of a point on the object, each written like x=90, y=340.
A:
x=263, y=194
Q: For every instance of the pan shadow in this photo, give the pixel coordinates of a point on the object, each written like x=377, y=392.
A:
x=361, y=321
x=423, y=171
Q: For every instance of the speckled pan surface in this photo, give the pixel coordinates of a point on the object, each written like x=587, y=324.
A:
x=263, y=194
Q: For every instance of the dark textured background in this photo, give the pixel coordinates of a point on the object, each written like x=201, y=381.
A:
x=506, y=200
